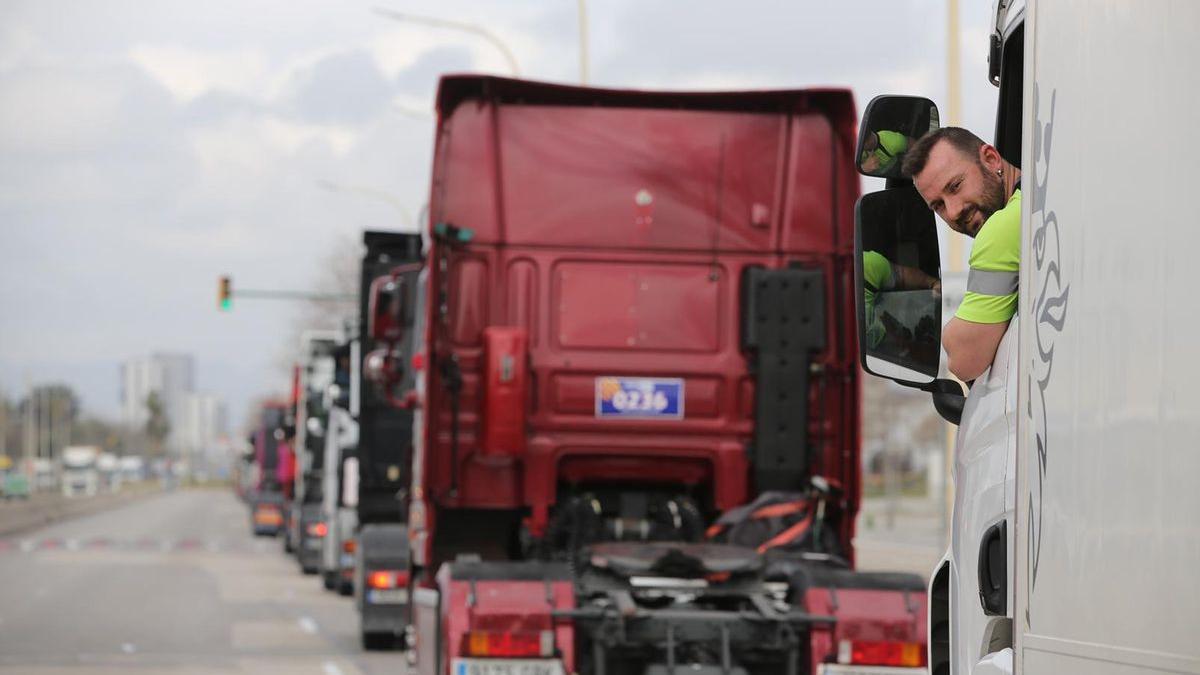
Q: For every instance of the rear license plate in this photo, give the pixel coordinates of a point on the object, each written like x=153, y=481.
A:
x=268, y=518
x=387, y=596
x=639, y=397
x=347, y=560
x=506, y=667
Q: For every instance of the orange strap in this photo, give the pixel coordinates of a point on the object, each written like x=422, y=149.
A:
x=788, y=535
x=776, y=510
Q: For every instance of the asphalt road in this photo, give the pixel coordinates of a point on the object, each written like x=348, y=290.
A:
x=174, y=583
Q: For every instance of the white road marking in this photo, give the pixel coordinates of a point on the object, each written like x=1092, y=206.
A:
x=331, y=668
x=307, y=625
x=128, y=648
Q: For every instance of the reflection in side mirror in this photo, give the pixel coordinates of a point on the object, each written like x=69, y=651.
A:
x=898, y=288
x=891, y=124
x=384, y=309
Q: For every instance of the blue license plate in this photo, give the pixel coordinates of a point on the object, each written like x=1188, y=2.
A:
x=640, y=397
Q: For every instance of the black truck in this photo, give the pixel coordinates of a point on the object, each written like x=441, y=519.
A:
x=390, y=270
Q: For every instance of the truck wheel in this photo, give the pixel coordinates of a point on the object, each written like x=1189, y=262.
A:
x=329, y=580
x=346, y=588
x=377, y=641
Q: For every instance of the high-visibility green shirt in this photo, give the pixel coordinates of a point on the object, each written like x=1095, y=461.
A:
x=877, y=276
x=991, y=295
x=892, y=144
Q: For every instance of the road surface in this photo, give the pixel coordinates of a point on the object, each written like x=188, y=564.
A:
x=173, y=583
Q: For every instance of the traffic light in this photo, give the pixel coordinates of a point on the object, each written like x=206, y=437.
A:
x=225, y=294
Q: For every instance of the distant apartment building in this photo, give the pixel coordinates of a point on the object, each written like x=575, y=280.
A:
x=203, y=424
x=171, y=376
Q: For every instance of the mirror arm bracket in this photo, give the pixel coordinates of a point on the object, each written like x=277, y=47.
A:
x=948, y=398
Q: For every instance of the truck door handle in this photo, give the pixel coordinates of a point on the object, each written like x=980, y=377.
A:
x=993, y=570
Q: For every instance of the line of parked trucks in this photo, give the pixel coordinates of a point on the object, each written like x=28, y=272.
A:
x=601, y=415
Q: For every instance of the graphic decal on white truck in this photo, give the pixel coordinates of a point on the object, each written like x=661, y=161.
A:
x=1049, y=314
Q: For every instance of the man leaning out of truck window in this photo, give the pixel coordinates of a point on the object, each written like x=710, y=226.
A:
x=977, y=193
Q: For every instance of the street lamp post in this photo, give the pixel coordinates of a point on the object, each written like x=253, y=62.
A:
x=583, y=42
x=455, y=25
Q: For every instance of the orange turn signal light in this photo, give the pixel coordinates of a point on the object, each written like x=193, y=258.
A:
x=510, y=645
x=880, y=653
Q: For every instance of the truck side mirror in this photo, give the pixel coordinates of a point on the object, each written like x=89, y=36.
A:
x=898, y=292
x=385, y=316
x=891, y=124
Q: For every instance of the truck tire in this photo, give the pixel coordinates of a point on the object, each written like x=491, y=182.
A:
x=329, y=580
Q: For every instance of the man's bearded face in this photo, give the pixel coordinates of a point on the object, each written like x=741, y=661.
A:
x=959, y=188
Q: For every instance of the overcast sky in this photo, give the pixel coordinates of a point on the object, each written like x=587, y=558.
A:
x=148, y=147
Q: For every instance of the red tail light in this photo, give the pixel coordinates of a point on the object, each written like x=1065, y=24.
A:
x=349, y=546
x=874, y=653
x=418, y=362
x=488, y=643
x=318, y=529
x=385, y=579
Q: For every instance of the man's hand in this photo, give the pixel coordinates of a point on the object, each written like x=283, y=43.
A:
x=971, y=346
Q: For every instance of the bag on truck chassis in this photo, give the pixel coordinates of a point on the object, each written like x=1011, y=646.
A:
x=778, y=521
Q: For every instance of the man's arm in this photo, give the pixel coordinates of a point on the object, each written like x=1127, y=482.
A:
x=970, y=347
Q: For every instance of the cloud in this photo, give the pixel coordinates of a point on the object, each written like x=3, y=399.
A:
x=18, y=46
x=653, y=41
x=150, y=147
x=421, y=76
x=189, y=73
x=343, y=88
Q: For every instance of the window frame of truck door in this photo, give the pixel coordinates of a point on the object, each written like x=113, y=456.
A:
x=1010, y=118
x=1010, y=102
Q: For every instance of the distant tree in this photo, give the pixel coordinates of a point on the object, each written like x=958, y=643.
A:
x=52, y=409
x=7, y=427
x=339, y=276
x=158, y=427
x=95, y=431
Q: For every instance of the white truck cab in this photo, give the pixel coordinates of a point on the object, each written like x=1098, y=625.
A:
x=1074, y=546
x=80, y=477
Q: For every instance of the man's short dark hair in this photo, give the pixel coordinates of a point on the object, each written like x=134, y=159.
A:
x=959, y=138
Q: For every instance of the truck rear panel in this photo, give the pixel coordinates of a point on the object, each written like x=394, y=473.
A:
x=618, y=230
